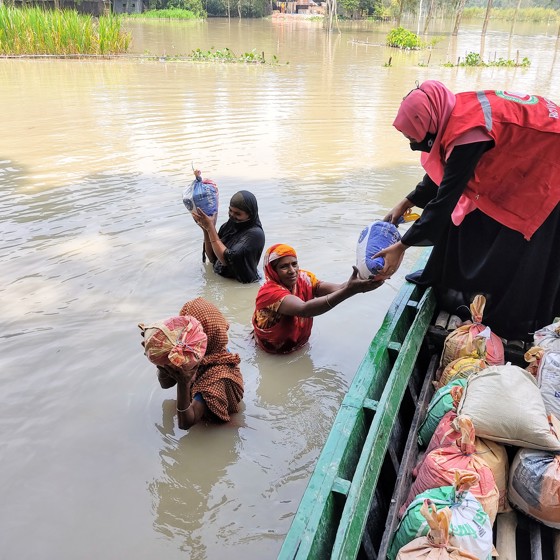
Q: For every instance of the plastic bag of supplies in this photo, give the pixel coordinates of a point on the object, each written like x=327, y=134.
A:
x=203, y=194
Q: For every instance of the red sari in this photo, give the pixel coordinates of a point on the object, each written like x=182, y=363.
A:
x=276, y=333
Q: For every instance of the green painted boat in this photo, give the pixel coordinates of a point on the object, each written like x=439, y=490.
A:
x=363, y=474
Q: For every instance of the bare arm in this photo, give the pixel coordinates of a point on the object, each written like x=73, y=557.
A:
x=188, y=412
x=213, y=246
x=294, y=306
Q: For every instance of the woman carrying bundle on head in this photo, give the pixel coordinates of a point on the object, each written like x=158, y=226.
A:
x=190, y=351
x=291, y=297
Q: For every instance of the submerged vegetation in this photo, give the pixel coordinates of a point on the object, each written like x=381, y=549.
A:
x=225, y=55
x=404, y=39
x=474, y=59
x=36, y=31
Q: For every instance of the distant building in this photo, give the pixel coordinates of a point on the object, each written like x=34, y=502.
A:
x=129, y=6
x=299, y=7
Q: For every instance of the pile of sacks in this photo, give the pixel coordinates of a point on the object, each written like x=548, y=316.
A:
x=481, y=406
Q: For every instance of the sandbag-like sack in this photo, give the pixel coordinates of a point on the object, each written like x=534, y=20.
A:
x=506, y=405
x=548, y=337
x=377, y=236
x=534, y=485
x=548, y=379
x=434, y=546
x=445, y=399
x=491, y=452
x=462, y=368
x=440, y=466
x=461, y=343
x=470, y=527
x=203, y=194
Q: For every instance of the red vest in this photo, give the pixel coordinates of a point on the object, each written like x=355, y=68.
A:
x=517, y=182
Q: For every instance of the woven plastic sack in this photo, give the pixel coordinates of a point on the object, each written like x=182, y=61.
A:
x=533, y=357
x=440, y=465
x=534, y=485
x=491, y=452
x=462, y=368
x=373, y=238
x=180, y=341
x=548, y=379
x=445, y=399
x=548, y=337
x=434, y=546
x=506, y=405
x=470, y=528
x=203, y=194
x=460, y=342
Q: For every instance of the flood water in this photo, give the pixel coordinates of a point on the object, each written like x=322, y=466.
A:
x=95, y=238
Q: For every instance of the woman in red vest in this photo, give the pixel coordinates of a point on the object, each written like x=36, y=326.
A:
x=490, y=197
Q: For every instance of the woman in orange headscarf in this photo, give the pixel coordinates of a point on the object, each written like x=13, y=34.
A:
x=191, y=352
x=291, y=297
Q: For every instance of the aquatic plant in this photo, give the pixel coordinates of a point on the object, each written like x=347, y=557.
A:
x=227, y=55
x=474, y=59
x=171, y=13
x=403, y=39
x=35, y=31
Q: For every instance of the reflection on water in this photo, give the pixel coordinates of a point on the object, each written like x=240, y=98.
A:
x=95, y=156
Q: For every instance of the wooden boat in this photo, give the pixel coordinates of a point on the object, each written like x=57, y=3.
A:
x=363, y=474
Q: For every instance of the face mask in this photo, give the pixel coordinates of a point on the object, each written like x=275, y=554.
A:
x=425, y=145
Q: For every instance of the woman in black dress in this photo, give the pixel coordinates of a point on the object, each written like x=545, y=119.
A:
x=236, y=248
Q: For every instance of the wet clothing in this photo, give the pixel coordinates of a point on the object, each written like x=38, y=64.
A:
x=218, y=377
x=244, y=242
x=274, y=332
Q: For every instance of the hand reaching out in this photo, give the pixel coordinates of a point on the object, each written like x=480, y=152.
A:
x=356, y=285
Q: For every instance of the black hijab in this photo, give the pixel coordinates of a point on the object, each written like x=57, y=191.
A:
x=246, y=201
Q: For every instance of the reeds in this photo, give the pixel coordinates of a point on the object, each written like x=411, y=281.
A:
x=35, y=31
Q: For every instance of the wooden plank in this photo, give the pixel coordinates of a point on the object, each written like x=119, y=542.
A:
x=357, y=505
x=536, y=541
x=556, y=544
x=506, y=527
x=409, y=459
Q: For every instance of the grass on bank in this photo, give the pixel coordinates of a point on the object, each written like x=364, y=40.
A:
x=171, y=13
x=35, y=31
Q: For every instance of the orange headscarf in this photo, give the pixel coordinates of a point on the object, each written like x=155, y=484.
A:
x=290, y=332
x=272, y=254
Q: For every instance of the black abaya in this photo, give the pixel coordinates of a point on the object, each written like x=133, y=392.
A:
x=520, y=278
